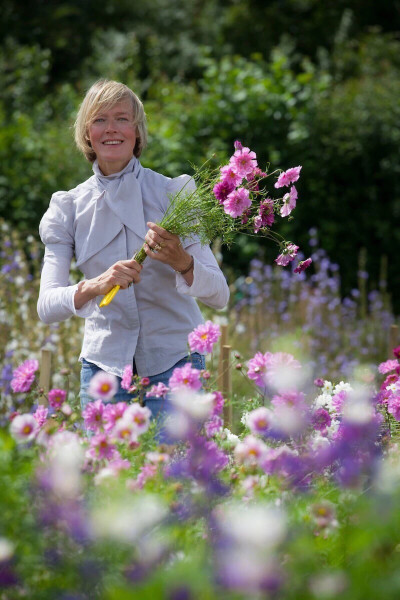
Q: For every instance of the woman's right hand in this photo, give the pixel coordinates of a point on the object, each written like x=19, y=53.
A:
x=121, y=273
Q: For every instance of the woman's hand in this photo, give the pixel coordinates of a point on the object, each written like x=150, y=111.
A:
x=121, y=273
x=166, y=247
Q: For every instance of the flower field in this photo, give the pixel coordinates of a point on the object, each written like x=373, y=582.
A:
x=296, y=498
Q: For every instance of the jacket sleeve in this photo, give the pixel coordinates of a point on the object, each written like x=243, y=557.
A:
x=56, y=296
x=209, y=284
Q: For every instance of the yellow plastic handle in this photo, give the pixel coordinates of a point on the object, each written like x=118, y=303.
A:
x=109, y=297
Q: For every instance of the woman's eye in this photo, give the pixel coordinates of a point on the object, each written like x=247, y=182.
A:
x=98, y=120
x=123, y=119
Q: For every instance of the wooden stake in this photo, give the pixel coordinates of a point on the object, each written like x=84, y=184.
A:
x=223, y=340
x=393, y=339
x=45, y=370
x=226, y=384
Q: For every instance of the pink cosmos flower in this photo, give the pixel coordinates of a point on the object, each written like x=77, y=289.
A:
x=93, y=415
x=230, y=176
x=185, y=378
x=101, y=447
x=338, y=400
x=218, y=403
x=41, y=414
x=127, y=377
x=388, y=365
x=213, y=426
x=259, y=420
x=125, y=430
x=251, y=451
x=158, y=391
x=24, y=428
x=319, y=382
x=222, y=189
x=24, y=376
x=265, y=217
x=146, y=472
x=237, y=202
x=103, y=386
x=243, y=162
x=140, y=416
x=238, y=145
x=112, y=413
x=118, y=464
x=56, y=397
x=303, y=265
x=281, y=369
x=203, y=338
x=289, y=399
x=287, y=255
x=158, y=458
x=394, y=407
x=288, y=177
x=289, y=202
x=257, y=367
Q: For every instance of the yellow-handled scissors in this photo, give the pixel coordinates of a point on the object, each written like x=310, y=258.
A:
x=109, y=296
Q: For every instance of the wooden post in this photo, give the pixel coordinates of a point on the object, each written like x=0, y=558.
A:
x=223, y=340
x=45, y=370
x=393, y=339
x=226, y=384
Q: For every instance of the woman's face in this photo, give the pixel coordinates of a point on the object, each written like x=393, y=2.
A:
x=112, y=134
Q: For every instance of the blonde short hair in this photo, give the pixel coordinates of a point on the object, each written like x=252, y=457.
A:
x=104, y=94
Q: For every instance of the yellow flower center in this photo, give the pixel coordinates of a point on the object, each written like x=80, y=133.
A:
x=27, y=429
x=204, y=336
x=105, y=387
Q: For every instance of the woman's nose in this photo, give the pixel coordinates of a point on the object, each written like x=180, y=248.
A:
x=110, y=126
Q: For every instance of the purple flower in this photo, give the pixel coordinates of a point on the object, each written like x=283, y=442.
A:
x=41, y=414
x=265, y=216
x=100, y=447
x=158, y=391
x=222, y=189
x=321, y=419
x=93, y=415
x=259, y=420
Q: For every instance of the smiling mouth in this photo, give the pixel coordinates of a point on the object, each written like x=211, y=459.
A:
x=112, y=142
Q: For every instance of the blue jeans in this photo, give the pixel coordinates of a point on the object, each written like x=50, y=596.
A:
x=158, y=406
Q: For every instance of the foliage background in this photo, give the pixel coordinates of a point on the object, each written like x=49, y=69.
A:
x=299, y=81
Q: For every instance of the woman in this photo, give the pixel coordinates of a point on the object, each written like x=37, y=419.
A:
x=103, y=222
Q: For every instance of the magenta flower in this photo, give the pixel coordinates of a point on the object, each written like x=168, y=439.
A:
x=127, y=375
x=158, y=391
x=338, y=400
x=24, y=376
x=229, y=175
x=287, y=255
x=93, y=415
x=237, y=202
x=222, y=189
x=243, y=162
x=396, y=352
x=203, y=338
x=41, y=414
x=257, y=367
x=321, y=419
x=259, y=420
x=56, y=397
x=303, y=265
x=319, y=382
x=103, y=386
x=112, y=413
x=100, y=447
x=288, y=177
x=185, y=378
x=289, y=202
x=24, y=428
x=388, y=365
x=265, y=217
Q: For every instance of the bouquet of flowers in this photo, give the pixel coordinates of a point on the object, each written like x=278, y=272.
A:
x=228, y=200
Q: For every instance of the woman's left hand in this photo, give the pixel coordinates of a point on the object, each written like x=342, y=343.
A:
x=166, y=247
